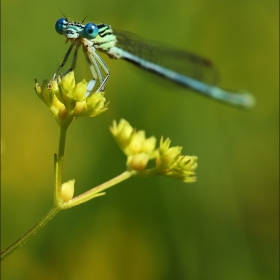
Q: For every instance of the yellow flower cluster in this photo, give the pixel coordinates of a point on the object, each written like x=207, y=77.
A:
x=139, y=150
x=65, y=98
x=173, y=164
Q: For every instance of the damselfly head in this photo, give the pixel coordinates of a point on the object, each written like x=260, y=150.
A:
x=73, y=30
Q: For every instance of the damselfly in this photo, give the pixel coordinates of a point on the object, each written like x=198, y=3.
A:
x=180, y=67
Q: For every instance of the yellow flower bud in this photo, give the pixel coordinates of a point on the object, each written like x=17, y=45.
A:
x=43, y=92
x=125, y=132
x=171, y=163
x=138, y=149
x=138, y=162
x=62, y=114
x=122, y=133
x=67, y=190
x=80, y=108
x=136, y=143
x=67, y=82
x=79, y=91
x=171, y=155
x=96, y=104
x=149, y=144
x=57, y=104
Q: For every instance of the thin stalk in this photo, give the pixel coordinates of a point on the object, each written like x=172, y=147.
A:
x=59, y=164
x=30, y=233
x=58, y=169
x=97, y=191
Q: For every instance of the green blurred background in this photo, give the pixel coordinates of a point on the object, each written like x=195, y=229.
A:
x=225, y=226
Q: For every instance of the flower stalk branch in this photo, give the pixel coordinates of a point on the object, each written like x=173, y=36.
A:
x=29, y=233
x=68, y=101
x=97, y=191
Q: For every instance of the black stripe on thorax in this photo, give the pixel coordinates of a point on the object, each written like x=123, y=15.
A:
x=104, y=29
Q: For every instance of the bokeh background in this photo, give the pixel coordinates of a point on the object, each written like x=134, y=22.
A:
x=225, y=226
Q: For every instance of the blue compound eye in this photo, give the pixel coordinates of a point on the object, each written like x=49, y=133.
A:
x=59, y=25
x=90, y=31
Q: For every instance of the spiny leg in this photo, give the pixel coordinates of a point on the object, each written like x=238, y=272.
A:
x=64, y=61
x=105, y=69
x=96, y=64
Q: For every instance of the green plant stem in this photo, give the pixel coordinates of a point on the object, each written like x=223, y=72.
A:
x=92, y=193
x=59, y=164
x=97, y=191
x=58, y=170
x=58, y=203
x=30, y=233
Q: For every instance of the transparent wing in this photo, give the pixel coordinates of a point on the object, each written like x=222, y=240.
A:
x=182, y=62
